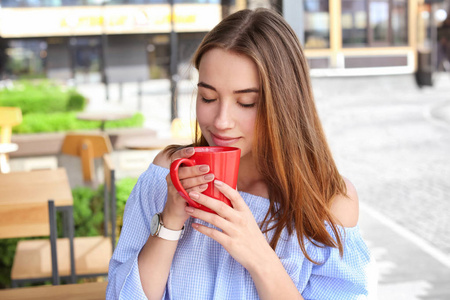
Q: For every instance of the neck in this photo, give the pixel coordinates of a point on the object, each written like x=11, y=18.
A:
x=249, y=179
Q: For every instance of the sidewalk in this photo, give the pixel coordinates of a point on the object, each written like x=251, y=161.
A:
x=406, y=270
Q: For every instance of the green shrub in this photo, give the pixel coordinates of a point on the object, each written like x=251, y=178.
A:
x=41, y=97
x=8, y=247
x=123, y=191
x=66, y=121
x=76, y=102
x=137, y=120
x=88, y=211
x=48, y=107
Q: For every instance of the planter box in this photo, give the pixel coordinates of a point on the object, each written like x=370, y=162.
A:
x=40, y=144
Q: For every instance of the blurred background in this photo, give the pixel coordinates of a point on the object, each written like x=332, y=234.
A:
x=381, y=76
x=133, y=40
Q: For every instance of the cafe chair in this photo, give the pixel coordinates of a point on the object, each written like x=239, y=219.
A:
x=87, y=146
x=41, y=255
x=81, y=257
x=9, y=117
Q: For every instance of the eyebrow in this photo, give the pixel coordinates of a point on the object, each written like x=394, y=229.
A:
x=249, y=90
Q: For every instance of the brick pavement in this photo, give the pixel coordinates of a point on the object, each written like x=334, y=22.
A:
x=384, y=142
x=392, y=141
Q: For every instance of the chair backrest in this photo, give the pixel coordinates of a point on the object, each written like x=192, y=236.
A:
x=74, y=144
x=87, y=147
x=109, y=198
x=9, y=117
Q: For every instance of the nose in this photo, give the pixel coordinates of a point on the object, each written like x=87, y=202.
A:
x=224, y=117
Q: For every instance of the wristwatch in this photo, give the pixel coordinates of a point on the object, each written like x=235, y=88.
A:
x=157, y=229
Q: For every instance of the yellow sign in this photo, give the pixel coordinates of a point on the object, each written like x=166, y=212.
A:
x=122, y=19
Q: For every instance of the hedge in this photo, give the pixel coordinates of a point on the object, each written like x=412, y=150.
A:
x=49, y=107
x=42, y=97
x=65, y=121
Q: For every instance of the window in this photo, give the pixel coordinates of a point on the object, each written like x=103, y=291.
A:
x=399, y=22
x=354, y=22
x=317, y=24
x=379, y=22
x=374, y=23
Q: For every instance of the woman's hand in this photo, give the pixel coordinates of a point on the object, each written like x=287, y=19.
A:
x=193, y=179
x=243, y=239
x=241, y=235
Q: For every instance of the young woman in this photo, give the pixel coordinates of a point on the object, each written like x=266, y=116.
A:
x=292, y=231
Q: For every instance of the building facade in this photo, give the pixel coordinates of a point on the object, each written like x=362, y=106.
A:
x=90, y=40
x=129, y=40
x=364, y=37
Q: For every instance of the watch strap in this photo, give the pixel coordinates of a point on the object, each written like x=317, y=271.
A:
x=168, y=234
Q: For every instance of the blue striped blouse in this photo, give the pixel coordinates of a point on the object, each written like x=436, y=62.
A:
x=202, y=269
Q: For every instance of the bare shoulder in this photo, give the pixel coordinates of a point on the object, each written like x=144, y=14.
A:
x=162, y=159
x=345, y=208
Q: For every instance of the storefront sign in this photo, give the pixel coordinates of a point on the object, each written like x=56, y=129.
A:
x=122, y=19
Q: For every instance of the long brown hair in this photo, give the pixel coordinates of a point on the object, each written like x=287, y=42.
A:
x=290, y=148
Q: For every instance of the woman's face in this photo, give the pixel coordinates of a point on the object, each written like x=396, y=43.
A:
x=228, y=96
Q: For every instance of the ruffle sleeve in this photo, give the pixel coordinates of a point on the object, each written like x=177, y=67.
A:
x=335, y=277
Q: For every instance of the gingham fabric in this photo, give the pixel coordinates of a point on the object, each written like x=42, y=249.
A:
x=202, y=269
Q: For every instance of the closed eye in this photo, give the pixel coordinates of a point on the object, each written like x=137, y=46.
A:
x=207, y=100
x=247, y=105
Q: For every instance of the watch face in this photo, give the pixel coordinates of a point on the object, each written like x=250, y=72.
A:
x=154, y=224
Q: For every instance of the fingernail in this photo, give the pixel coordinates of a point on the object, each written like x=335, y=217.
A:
x=208, y=177
x=203, y=186
x=189, y=209
x=194, y=195
x=203, y=168
x=218, y=183
x=189, y=150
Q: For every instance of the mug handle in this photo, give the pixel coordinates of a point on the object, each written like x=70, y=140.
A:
x=176, y=180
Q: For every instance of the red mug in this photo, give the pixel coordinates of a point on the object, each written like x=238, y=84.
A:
x=223, y=162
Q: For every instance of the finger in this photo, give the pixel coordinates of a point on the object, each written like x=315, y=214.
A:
x=186, y=172
x=219, y=207
x=183, y=153
x=196, y=181
x=210, y=218
x=233, y=195
x=198, y=188
x=215, y=234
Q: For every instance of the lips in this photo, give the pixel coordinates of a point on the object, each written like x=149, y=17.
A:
x=220, y=140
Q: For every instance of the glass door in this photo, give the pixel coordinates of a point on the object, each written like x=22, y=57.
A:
x=379, y=23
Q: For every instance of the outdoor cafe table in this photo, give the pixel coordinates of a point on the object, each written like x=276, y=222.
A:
x=31, y=187
x=18, y=188
x=85, y=291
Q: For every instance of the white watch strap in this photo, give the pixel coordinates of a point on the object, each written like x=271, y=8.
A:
x=167, y=234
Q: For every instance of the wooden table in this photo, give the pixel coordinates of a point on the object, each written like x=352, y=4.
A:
x=85, y=291
x=23, y=190
x=155, y=143
x=103, y=117
x=35, y=186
